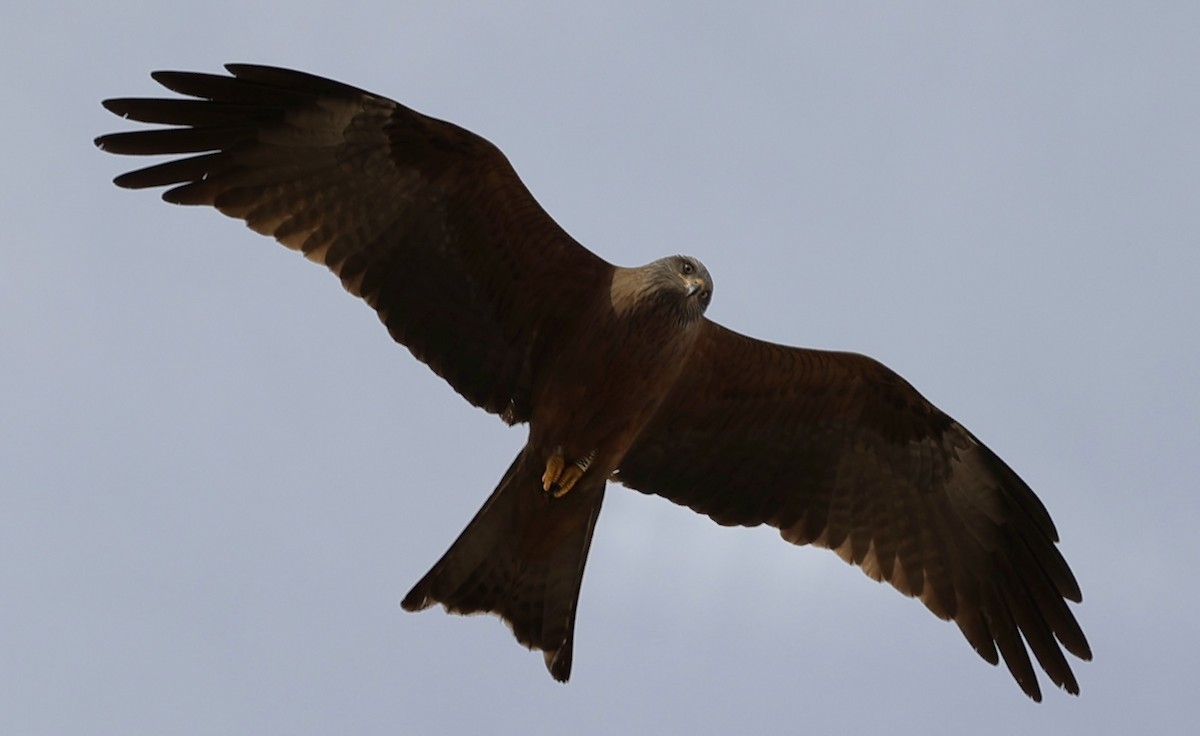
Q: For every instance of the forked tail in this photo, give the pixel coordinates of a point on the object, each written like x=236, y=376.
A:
x=521, y=558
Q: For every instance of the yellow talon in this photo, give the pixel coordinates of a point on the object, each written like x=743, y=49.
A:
x=569, y=477
x=560, y=477
x=554, y=468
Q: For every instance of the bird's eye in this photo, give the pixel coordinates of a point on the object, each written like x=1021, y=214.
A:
x=705, y=295
x=687, y=268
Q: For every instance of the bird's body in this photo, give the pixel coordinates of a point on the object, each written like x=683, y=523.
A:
x=591, y=404
x=594, y=398
x=616, y=370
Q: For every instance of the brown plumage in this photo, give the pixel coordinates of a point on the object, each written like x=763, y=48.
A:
x=616, y=370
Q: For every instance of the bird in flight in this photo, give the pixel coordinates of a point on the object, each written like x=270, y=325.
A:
x=616, y=370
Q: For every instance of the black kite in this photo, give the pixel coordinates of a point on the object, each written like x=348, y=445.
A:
x=616, y=370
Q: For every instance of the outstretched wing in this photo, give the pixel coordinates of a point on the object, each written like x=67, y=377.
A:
x=836, y=450
x=425, y=221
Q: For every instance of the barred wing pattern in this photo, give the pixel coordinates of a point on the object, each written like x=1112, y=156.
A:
x=424, y=220
x=836, y=450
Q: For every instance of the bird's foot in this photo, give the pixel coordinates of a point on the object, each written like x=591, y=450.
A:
x=560, y=477
x=554, y=468
x=569, y=477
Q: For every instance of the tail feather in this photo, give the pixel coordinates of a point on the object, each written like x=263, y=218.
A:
x=521, y=558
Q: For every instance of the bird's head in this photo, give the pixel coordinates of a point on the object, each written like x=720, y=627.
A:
x=676, y=285
x=683, y=283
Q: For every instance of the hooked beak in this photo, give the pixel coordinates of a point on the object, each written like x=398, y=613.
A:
x=693, y=286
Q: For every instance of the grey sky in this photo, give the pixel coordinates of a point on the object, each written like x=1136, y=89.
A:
x=218, y=476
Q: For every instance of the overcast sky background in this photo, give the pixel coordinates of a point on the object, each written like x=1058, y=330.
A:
x=218, y=476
